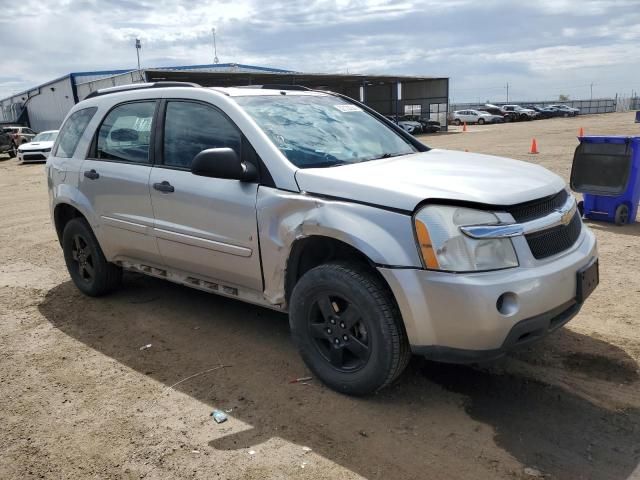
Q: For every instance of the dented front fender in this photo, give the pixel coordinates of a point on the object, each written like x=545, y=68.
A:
x=385, y=237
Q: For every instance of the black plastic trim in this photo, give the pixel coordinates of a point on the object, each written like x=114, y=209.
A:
x=521, y=334
x=478, y=205
x=134, y=86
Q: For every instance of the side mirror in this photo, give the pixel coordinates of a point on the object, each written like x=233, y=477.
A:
x=223, y=163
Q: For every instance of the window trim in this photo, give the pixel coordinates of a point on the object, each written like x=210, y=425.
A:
x=92, y=154
x=54, y=148
x=162, y=117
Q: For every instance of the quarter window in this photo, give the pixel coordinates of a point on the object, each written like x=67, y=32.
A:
x=71, y=132
x=192, y=127
x=125, y=133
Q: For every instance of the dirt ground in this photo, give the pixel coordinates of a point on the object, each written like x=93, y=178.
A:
x=80, y=399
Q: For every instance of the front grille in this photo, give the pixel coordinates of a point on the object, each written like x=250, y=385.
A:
x=538, y=208
x=34, y=156
x=555, y=240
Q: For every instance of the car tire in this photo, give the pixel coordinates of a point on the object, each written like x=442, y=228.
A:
x=348, y=329
x=622, y=215
x=481, y=121
x=13, y=152
x=86, y=263
x=457, y=122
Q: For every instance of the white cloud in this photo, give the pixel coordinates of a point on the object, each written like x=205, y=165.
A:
x=480, y=45
x=566, y=57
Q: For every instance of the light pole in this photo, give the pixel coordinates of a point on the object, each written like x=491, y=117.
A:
x=591, y=87
x=215, y=50
x=507, y=92
x=138, y=47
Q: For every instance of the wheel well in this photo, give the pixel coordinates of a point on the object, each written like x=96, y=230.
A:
x=62, y=214
x=310, y=252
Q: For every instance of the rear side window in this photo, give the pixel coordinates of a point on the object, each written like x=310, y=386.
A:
x=125, y=133
x=71, y=132
x=192, y=127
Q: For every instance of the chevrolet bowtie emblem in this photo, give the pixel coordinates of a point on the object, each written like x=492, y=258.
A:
x=567, y=215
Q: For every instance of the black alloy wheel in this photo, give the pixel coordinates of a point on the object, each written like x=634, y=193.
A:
x=83, y=257
x=86, y=263
x=339, y=332
x=347, y=327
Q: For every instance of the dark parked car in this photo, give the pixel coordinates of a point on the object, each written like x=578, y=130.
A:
x=544, y=112
x=495, y=110
x=428, y=125
x=7, y=144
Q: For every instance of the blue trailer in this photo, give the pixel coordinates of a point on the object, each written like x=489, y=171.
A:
x=606, y=170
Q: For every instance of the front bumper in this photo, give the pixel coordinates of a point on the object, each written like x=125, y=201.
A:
x=454, y=317
x=25, y=156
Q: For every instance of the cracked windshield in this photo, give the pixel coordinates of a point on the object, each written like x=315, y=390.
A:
x=323, y=130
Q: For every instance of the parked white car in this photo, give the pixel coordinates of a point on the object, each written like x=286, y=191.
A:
x=475, y=116
x=38, y=149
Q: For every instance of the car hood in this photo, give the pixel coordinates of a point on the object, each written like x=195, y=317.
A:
x=403, y=182
x=35, y=146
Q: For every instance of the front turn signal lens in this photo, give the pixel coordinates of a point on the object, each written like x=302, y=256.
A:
x=426, y=247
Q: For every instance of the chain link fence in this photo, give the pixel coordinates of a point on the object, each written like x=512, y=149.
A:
x=620, y=103
x=591, y=106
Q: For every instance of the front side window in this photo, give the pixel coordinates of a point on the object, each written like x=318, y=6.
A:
x=71, y=132
x=192, y=127
x=323, y=130
x=125, y=133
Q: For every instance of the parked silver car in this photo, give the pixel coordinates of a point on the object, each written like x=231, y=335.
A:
x=565, y=110
x=311, y=203
x=20, y=134
x=475, y=116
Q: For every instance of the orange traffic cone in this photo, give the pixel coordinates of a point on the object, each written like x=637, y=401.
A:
x=534, y=146
x=581, y=132
x=464, y=127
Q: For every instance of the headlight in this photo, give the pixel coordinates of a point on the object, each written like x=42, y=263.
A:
x=444, y=247
x=47, y=149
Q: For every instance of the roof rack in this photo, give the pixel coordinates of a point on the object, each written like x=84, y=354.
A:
x=277, y=86
x=139, y=86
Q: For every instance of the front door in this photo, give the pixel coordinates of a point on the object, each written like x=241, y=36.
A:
x=204, y=226
x=115, y=179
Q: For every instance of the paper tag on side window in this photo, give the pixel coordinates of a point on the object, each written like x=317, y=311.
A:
x=348, y=108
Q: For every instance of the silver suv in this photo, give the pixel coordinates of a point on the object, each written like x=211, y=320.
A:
x=311, y=203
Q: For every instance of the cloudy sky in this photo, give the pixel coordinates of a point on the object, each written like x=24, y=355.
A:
x=542, y=48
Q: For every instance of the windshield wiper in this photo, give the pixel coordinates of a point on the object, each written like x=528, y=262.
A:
x=388, y=155
x=327, y=163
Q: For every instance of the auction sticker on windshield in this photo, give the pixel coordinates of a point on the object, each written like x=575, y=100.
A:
x=348, y=108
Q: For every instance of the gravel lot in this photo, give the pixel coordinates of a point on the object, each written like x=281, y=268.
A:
x=79, y=399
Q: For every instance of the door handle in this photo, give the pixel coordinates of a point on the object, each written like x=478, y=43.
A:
x=92, y=174
x=164, y=187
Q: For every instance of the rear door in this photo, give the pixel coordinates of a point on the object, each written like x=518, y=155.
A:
x=204, y=226
x=115, y=179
